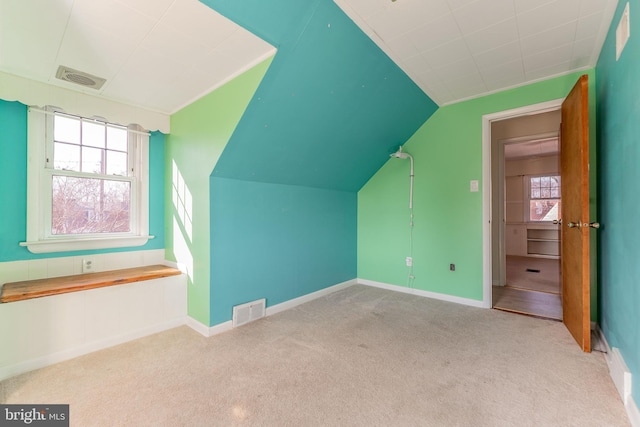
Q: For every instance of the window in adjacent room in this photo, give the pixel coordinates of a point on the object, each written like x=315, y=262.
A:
x=544, y=198
x=87, y=183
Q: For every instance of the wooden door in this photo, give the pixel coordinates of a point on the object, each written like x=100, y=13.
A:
x=574, y=172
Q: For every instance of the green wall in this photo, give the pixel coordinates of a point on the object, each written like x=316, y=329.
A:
x=13, y=188
x=447, y=217
x=199, y=134
x=619, y=206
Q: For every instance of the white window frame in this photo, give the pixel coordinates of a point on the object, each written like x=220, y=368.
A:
x=527, y=192
x=39, y=173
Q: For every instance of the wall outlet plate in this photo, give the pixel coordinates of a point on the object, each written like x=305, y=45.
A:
x=409, y=261
x=87, y=265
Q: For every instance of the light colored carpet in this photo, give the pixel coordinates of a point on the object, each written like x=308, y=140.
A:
x=358, y=357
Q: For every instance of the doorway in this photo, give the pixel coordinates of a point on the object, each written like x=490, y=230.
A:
x=525, y=204
x=531, y=202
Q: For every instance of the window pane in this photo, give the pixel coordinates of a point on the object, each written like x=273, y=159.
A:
x=66, y=156
x=116, y=138
x=535, y=194
x=89, y=205
x=66, y=129
x=116, y=163
x=544, y=210
x=535, y=183
x=545, y=193
x=91, y=160
x=93, y=134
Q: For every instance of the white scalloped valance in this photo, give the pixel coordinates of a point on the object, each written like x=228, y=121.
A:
x=31, y=92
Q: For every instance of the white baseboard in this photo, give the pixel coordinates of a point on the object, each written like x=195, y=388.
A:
x=421, y=293
x=50, y=359
x=309, y=297
x=209, y=331
x=621, y=377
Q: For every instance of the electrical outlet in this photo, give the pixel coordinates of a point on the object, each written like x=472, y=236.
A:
x=409, y=261
x=452, y=267
x=87, y=265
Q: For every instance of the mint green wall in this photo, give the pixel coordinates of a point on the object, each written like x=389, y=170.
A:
x=447, y=217
x=199, y=133
x=13, y=188
x=619, y=205
x=277, y=242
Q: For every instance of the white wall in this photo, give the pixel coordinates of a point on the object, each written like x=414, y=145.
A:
x=38, y=332
x=516, y=199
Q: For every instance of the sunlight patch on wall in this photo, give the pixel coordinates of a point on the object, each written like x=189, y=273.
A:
x=182, y=202
x=182, y=223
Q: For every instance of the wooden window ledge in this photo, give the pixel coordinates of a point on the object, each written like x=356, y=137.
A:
x=19, y=291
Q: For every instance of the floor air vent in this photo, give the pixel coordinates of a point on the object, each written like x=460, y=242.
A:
x=79, y=77
x=248, y=312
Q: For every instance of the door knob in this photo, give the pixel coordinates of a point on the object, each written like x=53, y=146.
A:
x=574, y=224
x=592, y=225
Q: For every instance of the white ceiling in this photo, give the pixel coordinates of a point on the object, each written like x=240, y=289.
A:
x=156, y=54
x=459, y=49
x=164, y=54
x=536, y=148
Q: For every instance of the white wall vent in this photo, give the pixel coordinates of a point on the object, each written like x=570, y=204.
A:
x=622, y=32
x=79, y=77
x=248, y=312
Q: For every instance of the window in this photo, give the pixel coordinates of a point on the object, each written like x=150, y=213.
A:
x=87, y=183
x=544, y=198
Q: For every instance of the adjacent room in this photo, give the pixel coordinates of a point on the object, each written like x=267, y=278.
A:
x=389, y=212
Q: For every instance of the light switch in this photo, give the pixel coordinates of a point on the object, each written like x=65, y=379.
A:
x=474, y=186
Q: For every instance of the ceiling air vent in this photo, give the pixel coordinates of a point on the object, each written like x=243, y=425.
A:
x=79, y=77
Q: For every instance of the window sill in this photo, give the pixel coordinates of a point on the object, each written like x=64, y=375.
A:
x=47, y=246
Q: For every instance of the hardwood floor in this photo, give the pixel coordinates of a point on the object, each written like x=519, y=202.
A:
x=533, y=303
x=533, y=288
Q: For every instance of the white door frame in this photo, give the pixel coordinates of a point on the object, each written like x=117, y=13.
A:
x=487, y=247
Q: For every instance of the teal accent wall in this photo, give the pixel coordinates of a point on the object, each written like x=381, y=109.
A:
x=277, y=242
x=13, y=180
x=619, y=205
x=447, y=217
x=13, y=187
x=331, y=107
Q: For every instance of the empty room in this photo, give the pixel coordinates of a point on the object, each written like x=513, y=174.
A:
x=328, y=212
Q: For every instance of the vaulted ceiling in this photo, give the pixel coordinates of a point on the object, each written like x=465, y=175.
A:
x=163, y=54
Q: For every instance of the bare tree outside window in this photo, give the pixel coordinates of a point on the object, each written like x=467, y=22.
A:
x=87, y=196
x=544, y=198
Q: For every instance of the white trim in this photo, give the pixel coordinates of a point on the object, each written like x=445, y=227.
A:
x=542, y=107
x=617, y=365
x=421, y=293
x=309, y=297
x=632, y=411
x=38, y=238
x=31, y=92
x=208, y=331
x=226, y=80
x=39, y=247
